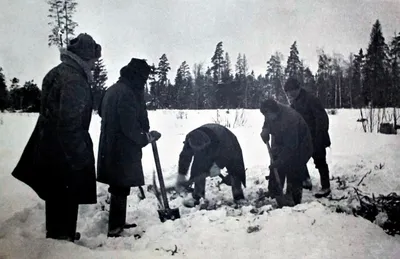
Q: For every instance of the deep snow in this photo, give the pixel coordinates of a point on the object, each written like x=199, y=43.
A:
x=309, y=230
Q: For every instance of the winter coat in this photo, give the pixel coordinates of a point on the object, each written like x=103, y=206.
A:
x=224, y=150
x=291, y=142
x=123, y=127
x=316, y=118
x=59, y=155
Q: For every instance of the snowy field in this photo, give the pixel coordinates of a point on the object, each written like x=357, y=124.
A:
x=256, y=230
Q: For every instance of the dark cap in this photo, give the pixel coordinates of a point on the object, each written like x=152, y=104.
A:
x=291, y=84
x=85, y=47
x=136, y=67
x=269, y=105
x=198, y=140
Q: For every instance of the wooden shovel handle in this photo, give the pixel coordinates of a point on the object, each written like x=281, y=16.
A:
x=277, y=178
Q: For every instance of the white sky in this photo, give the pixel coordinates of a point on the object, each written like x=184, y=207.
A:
x=188, y=30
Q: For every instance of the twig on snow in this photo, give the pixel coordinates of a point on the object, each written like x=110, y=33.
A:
x=339, y=199
x=362, y=179
x=173, y=252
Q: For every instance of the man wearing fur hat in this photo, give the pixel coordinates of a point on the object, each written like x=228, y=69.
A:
x=213, y=147
x=291, y=148
x=58, y=160
x=124, y=132
x=318, y=121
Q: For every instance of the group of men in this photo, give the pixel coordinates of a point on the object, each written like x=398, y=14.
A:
x=298, y=132
x=58, y=161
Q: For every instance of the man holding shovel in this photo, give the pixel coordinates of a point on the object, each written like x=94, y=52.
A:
x=317, y=120
x=213, y=147
x=291, y=149
x=124, y=132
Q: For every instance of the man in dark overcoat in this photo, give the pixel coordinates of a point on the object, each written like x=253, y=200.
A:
x=291, y=148
x=58, y=160
x=310, y=107
x=124, y=132
x=212, y=147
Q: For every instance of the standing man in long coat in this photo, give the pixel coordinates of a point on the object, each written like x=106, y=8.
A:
x=58, y=161
x=124, y=132
x=317, y=119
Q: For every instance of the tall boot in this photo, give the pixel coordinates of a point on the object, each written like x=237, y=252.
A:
x=307, y=184
x=117, y=215
x=325, y=183
x=71, y=222
x=237, y=191
x=287, y=198
x=61, y=219
x=297, y=194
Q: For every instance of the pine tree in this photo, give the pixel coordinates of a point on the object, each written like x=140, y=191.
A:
x=210, y=100
x=323, y=78
x=199, y=86
x=30, y=95
x=99, y=83
x=395, y=71
x=61, y=23
x=218, y=63
x=356, y=79
x=240, y=87
x=183, y=87
x=294, y=67
x=226, y=76
x=375, y=71
x=309, y=81
x=162, y=84
x=275, y=78
x=14, y=96
x=3, y=92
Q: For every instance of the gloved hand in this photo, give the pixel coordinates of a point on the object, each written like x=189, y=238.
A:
x=215, y=170
x=275, y=151
x=276, y=164
x=190, y=202
x=153, y=136
x=265, y=135
x=180, y=183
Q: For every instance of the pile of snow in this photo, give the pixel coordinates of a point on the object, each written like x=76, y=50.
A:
x=257, y=229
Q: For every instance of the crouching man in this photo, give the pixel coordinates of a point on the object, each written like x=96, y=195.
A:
x=213, y=147
x=291, y=148
x=124, y=132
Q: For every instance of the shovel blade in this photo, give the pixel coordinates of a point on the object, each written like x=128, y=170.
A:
x=170, y=214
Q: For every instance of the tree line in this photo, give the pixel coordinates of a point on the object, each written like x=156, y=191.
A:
x=26, y=97
x=368, y=77
x=371, y=77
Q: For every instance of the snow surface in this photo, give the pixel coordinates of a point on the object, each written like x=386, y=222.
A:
x=255, y=230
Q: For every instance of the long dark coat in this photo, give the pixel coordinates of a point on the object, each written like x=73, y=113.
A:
x=59, y=157
x=291, y=141
x=224, y=149
x=123, y=127
x=316, y=118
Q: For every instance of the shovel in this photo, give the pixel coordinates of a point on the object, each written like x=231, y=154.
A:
x=166, y=213
x=277, y=178
x=281, y=198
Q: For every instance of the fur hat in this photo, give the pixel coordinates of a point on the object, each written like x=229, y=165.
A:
x=198, y=140
x=85, y=47
x=136, y=68
x=269, y=105
x=291, y=84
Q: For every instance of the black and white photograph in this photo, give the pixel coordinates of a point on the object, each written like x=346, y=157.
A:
x=200, y=129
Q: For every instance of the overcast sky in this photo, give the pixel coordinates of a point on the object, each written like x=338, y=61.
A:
x=188, y=30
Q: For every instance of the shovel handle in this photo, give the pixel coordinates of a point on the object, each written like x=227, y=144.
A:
x=277, y=178
x=160, y=176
